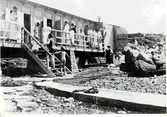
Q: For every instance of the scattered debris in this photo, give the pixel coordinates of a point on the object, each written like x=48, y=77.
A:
x=12, y=83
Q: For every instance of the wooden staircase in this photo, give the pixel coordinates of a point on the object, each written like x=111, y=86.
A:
x=42, y=58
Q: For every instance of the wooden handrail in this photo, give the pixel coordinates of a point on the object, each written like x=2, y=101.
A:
x=11, y=22
x=37, y=41
x=78, y=40
x=42, y=45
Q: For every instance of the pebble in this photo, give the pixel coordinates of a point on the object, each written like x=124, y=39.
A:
x=121, y=112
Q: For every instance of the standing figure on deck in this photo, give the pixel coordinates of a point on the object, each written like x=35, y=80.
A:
x=66, y=29
x=99, y=40
x=72, y=34
x=35, y=46
x=37, y=31
x=109, y=55
x=86, y=33
x=91, y=36
x=81, y=38
x=104, y=34
x=13, y=19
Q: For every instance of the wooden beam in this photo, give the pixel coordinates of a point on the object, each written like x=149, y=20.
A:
x=40, y=63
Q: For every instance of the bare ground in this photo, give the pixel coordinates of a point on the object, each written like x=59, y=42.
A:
x=23, y=97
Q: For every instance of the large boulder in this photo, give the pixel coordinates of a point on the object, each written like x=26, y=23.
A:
x=13, y=66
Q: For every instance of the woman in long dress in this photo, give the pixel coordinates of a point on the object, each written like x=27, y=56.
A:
x=13, y=26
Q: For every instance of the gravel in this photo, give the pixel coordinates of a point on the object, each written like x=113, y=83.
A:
x=12, y=83
x=117, y=80
x=50, y=104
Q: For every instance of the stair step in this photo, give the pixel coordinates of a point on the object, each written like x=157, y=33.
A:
x=43, y=60
x=57, y=64
x=41, y=51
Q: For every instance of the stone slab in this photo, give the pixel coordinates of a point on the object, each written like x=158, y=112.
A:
x=107, y=97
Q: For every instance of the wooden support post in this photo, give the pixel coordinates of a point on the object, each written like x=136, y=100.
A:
x=22, y=35
x=74, y=66
x=47, y=60
x=3, y=42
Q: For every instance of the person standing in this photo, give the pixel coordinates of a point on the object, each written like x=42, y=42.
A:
x=63, y=55
x=37, y=31
x=95, y=38
x=66, y=30
x=13, y=26
x=99, y=40
x=91, y=36
x=72, y=31
x=86, y=33
x=35, y=46
x=81, y=39
x=52, y=48
x=109, y=55
x=104, y=34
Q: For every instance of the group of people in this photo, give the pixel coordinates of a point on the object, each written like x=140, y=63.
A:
x=94, y=37
x=51, y=46
x=69, y=33
x=87, y=36
x=150, y=62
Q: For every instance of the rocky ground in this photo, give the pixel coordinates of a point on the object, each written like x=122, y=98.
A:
x=112, y=78
x=23, y=97
x=28, y=99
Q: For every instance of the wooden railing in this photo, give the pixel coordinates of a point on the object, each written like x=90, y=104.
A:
x=10, y=30
x=84, y=41
x=48, y=54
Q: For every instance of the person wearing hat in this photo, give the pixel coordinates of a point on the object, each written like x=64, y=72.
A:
x=72, y=34
x=37, y=30
x=109, y=55
x=95, y=40
x=51, y=43
x=35, y=46
x=86, y=33
x=13, y=26
x=81, y=37
x=66, y=30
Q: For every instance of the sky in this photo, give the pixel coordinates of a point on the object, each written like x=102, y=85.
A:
x=143, y=16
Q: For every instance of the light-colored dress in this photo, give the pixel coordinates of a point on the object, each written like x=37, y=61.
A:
x=81, y=42
x=66, y=34
x=72, y=36
x=13, y=27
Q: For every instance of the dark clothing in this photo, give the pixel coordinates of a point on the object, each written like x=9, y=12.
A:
x=50, y=46
x=144, y=67
x=139, y=65
x=109, y=56
x=86, y=30
x=129, y=58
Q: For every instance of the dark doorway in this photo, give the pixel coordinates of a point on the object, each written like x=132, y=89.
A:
x=49, y=23
x=57, y=26
x=27, y=25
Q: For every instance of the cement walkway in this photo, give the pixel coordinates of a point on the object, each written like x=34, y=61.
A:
x=144, y=102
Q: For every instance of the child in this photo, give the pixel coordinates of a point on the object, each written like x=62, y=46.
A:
x=63, y=55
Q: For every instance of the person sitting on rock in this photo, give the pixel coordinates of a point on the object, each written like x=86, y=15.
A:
x=159, y=58
x=137, y=63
